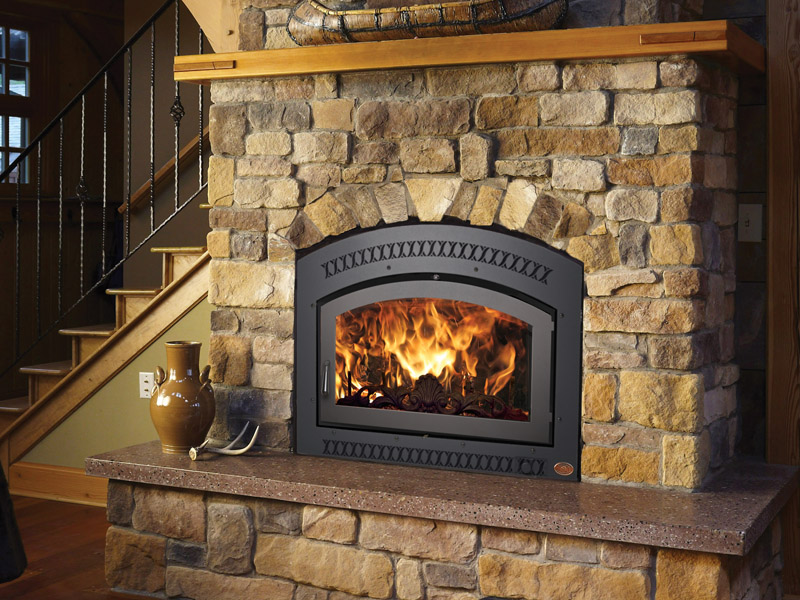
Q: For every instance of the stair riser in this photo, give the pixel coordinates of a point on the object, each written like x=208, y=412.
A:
x=40, y=385
x=177, y=265
x=129, y=307
x=6, y=420
x=84, y=347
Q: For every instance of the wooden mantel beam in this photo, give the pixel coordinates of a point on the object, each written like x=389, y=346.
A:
x=720, y=39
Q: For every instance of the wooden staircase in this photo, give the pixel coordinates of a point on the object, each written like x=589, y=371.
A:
x=56, y=389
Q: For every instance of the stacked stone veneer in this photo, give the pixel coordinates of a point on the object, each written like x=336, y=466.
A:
x=217, y=546
x=627, y=166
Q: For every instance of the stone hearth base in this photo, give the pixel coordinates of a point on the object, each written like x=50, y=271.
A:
x=282, y=526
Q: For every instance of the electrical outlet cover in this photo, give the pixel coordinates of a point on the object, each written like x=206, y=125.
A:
x=751, y=222
x=146, y=383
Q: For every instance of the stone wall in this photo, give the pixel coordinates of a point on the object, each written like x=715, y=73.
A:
x=236, y=547
x=262, y=23
x=628, y=166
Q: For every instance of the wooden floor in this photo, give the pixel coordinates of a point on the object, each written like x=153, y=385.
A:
x=64, y=544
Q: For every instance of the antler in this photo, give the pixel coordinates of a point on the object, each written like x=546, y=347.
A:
x=227, y=450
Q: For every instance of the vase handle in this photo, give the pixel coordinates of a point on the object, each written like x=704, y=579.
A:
x=205, y=379
x=161, y=377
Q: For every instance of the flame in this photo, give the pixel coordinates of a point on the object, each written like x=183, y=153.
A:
x=394, y=343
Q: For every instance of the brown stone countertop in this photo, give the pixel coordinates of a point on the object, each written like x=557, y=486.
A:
x=726, y=518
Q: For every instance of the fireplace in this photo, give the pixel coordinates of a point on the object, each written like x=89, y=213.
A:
x=442, y=346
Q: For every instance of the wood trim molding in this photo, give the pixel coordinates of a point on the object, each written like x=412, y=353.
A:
x=716, y=38
x=164, y=175
x=783, y=276
x=177, y=299
x=52, y=482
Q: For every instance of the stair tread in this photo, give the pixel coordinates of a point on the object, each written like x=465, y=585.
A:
x=61, y=367
x=134, y=292
x=179, y=250
x=101, y=330
x=14, y=405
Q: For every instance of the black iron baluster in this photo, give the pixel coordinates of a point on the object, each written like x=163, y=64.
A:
x=60, y=212
x=177, y=110
x=129, y=150
x=82, y=190
x=38, y=238
x=17, y=259
x=200, y=119
x=105, y=176
x=152, y=130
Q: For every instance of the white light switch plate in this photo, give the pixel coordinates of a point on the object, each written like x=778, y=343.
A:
x=146, y=382
x=750, y=222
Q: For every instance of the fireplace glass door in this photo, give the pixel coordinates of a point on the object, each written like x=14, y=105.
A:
x=435, y=356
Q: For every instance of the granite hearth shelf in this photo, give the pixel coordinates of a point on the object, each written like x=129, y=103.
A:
x=719, y=39
x=726, y=518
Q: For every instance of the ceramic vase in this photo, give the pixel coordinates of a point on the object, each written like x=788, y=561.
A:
x=182, y=402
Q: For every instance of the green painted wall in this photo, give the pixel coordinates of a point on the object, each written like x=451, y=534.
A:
x=115, y=416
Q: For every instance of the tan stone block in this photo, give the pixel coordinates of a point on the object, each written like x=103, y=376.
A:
x=248, y=245
x=357, y=571
x=643, y=316
x=251, y=30
x=219, y=243
x=685, y=460
x=275, y=143
x=361, y=203
x=266, y=193
x=621, y=464
x=523, y=167
x=687, y=138
x=582, y=109
x=623, y=341
x=685, y=352
x=325, y=85
x=633, y=437
x=305, y=592
x=432, y=197
x=274, y=516
x=253, y=285
x=278, y=37
x=612, y=359
x=421, y=538
x=599, y=396
x=321, y=176
x=666, y=108
x=320, y=146
x=558, y=140
x=538, y=78
x=258, y=321
x=450, y=576
x=333, y=114
x=518, y=204
x=606, y=283
x=261, y=166
x=428, y=155
x=303, y=233
x=661, y=400
x=545, y=217
x=578, y=174
x=135, y=561
x=227, y=125
x=475, y=153
x=405, y=83
x=448, y=594
x=676, y=245
x=330, y=217
x=571, y=549
x=575, y=220
x=271, y=377
x=685, y=204
x=590, y=76
x=230, y=538
x=494, y=112
x=401, y=119
x=271, y=349
x=510, y=540
x=229, y=357
x=464, y=202
x=680, y=73
x=485, y=207
x=392, y=202
x=508, y=576
x=595, y=251
x=330, y=524
x=408, y=580
x=624, y=556
x=624, y=204
x=511, y=142
x=726, y=209
x=203, y=585
x=119, y=500
x=720, y=172
x=220, y=181
x=252, y=220
x=659, y=171
x=241, y=91
x=293, y=88
x=375, y=152
x=364, y=174
x=292, y=116
x=471, y=81
x=152, y=503
x=636, y=75
x=682, y=574
x=279, y=221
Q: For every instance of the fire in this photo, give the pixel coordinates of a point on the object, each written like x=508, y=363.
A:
x=394, y=343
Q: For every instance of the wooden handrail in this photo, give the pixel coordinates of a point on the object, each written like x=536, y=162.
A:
x=720, y=39
x=162, y=177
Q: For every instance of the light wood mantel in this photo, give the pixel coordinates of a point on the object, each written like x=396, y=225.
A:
x=719, y=39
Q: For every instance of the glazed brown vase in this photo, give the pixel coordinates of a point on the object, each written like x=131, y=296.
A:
x=182, y=402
